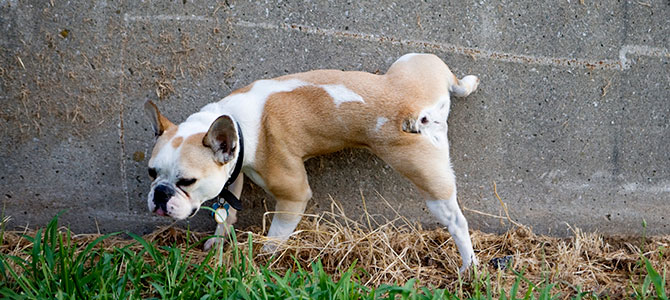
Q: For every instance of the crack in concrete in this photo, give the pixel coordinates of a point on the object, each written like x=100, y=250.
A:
x=605, y=64
x=129, y=18
x=620, y=64
x=470, y=51
x=640, y=50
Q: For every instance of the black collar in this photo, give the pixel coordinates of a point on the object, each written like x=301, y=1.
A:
x=225, y=195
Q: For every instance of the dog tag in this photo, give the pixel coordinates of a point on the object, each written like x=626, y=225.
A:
x=220, y=215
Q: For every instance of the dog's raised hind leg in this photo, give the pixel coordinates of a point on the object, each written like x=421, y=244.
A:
x=450, y=215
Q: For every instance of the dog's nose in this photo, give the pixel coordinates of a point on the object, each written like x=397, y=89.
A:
x=162, y=194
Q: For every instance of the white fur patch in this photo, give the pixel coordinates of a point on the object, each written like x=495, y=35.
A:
x=407, y=57
x=341, y=94
x=380, y=122
x=432, y=122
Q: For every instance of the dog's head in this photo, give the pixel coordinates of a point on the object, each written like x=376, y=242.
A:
x=188, y=167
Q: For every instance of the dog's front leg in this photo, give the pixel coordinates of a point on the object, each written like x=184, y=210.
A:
x=284, y=222
x=218, y=233
x=292, y=193
x=222, y=230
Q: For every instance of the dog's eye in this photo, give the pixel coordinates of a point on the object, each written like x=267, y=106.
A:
x=185, y=182
x=152, y=173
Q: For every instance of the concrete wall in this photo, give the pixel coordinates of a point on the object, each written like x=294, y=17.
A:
x=571, y=120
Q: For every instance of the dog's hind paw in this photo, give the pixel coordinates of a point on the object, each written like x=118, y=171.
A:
x=468, y=264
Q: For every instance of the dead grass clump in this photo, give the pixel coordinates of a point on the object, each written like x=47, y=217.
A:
x=393, y=253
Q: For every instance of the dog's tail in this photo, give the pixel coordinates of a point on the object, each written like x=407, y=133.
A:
x=463, y=87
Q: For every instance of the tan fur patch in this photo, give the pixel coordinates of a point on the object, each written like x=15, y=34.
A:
x=176, y=142
x=165, y=124
x=170, y=132
x=193, y=151
x=196, y=158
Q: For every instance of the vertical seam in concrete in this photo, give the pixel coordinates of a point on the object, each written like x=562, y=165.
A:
x=122, y=141
x=617, y=130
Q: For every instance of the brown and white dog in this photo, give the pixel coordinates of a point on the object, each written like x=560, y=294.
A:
x=400, y=116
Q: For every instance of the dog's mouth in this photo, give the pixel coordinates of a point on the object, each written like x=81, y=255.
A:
x=162, y=211
x=159, y=211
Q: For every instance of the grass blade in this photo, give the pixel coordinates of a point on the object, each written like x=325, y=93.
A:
x=656, y=279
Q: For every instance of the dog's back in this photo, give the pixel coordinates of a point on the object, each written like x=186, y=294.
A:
x=334, y=109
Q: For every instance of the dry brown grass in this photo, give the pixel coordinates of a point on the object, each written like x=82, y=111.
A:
x=397, y=250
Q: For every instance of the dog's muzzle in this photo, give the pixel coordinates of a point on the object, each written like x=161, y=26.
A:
x=162, y=194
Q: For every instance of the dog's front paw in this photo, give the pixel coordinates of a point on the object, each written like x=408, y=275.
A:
x=212, y=242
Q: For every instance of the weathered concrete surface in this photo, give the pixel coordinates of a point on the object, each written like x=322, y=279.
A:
x=571, y=121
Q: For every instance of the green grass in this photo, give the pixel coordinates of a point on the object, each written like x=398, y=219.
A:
x=55, y=267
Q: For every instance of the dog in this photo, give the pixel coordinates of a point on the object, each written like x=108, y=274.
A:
x=267, y=130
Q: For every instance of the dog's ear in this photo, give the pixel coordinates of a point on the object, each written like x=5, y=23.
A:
x=222, y=139
x=158, y=121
